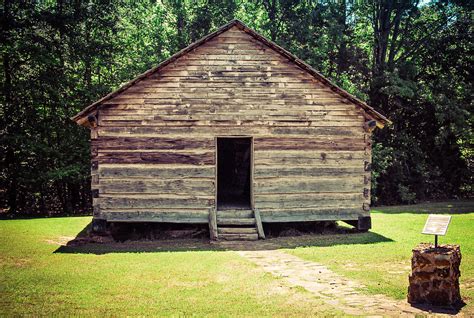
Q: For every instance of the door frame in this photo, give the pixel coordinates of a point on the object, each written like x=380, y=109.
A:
x=216, y=169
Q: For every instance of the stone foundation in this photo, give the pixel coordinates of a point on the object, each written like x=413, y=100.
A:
x=435, y=275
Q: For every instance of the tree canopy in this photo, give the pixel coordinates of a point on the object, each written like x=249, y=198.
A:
x=413, y=60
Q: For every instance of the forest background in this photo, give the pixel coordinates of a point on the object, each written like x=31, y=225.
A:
x=412, y=60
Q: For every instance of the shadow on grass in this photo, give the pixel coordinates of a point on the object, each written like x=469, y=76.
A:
x=446, y=310
x=447, y=207
x=83, y=243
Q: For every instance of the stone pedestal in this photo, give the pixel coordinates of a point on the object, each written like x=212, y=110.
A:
x=435, y=275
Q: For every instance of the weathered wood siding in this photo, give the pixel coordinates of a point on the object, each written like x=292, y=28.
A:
x=154, y=155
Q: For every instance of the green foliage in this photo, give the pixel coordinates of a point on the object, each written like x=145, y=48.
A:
x=382, y=159
x=411, y=61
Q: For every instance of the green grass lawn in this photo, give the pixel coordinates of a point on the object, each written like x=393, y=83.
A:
x=38, y=279
x=381, y=259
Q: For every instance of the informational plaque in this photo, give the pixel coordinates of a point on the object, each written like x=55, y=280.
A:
x=436, y=224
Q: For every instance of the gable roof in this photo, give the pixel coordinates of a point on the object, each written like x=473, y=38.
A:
x=381, y=120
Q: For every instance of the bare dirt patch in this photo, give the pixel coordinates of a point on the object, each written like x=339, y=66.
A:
x=62, y=240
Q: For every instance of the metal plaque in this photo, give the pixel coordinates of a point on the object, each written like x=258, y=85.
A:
x=436, y=224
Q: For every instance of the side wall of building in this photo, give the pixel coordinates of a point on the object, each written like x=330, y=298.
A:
x=154, y=147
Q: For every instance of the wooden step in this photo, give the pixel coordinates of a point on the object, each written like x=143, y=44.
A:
x=238, y=237
x=235, y=221
x=237, y=230
x=235, y=214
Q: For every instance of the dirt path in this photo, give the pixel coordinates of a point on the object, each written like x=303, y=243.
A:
x=332, y=288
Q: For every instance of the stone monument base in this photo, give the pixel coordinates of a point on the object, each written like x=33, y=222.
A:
x=435, y=275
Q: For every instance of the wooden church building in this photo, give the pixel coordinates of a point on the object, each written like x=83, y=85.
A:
x=235, y=132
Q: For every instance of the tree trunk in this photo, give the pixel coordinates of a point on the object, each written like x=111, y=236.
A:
x=271, y=7
x=342, y=63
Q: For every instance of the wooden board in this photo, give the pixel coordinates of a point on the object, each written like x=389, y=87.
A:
x=312, y=214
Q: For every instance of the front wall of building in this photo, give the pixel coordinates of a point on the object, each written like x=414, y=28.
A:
x=154, y=148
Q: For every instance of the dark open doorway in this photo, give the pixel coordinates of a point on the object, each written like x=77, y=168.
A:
x=234, y=173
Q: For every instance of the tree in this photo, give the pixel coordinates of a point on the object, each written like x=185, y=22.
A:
x=410, y=59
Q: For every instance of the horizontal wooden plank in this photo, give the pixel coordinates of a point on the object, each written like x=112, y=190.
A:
x=239, y=50
x=157, y=157
x=235, y=214
x=312, y=185
x=274, y=171
x=211, y=115
x=322, y=96
x=238, y=237
x=225, y=101
x=234, y=74
x=247, y=44
x=248, y=52
x=232, y=67
x=276, y=153
x=334, y=163
x=153, y=143
x=326, y=121
x=122, y=202
x=317, y=131
x=174, y=186
x=183, y=210
x=243, y=78
x=211, y=123
x=312, y=158
x=230, y=120
x=280, y=215
x=257, y=108
x=308, y=144
x=173, y=216
x=306, y=84
x=233, y=89
x=125, y=150
x=134, y=112
x=204, y=108
x=287, y=116
x=307, y=200
x=155, y=171
x=231, y=61
x=237, y=230
x=249, y=49
x=228, y=130
x=305, y=215
x=238, y=221
x=225, y=57
x=243, y=124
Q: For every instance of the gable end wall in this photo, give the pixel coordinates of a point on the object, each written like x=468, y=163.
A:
x=154, y=147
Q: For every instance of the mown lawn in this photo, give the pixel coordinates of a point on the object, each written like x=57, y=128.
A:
x=381, y=259
x=36, y=281
x=37, y=278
